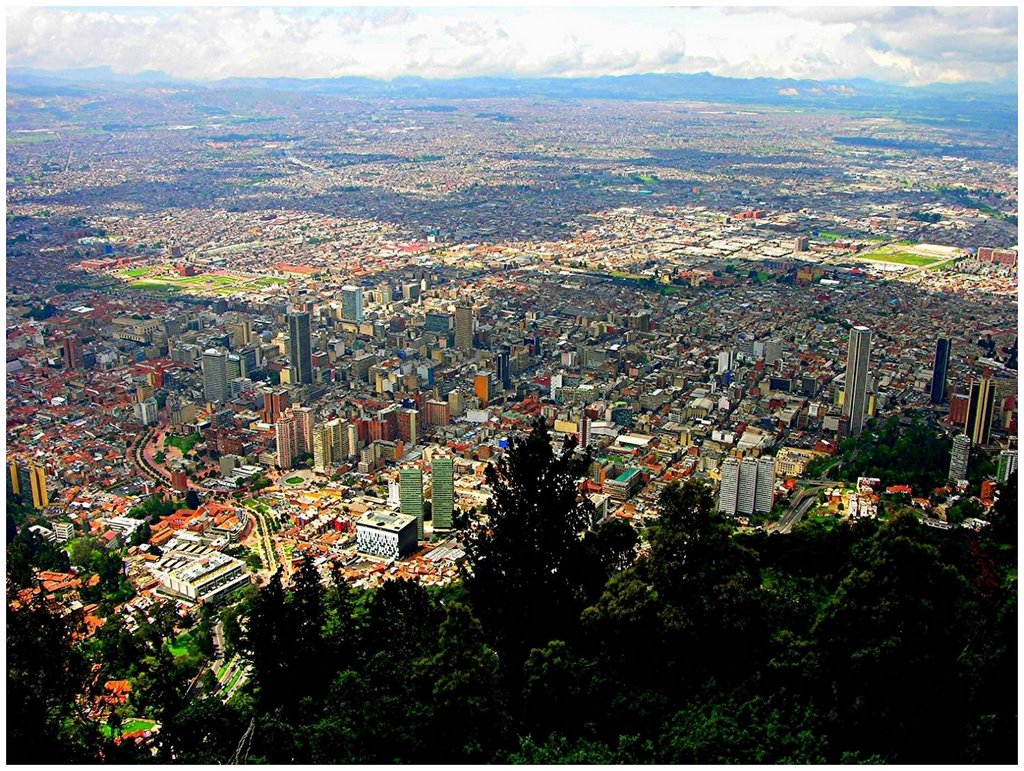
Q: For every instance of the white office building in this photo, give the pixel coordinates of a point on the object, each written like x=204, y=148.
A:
x=764, y=498
x=729, y=486
x=386, y=535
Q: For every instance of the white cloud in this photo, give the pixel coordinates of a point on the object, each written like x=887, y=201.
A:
x=910, y=45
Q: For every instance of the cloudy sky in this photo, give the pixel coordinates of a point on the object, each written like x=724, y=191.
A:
x=904, y=45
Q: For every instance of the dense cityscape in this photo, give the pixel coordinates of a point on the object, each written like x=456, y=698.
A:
x=298, y=380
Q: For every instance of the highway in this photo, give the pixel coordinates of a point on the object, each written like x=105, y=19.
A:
x=804, y=501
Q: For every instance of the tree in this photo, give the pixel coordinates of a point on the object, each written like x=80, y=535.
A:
x=707, y=583
x=529, y=573
x=45, y=677
x=267, y=643
x=469, y=722
x=898, y=619
x=192, y=499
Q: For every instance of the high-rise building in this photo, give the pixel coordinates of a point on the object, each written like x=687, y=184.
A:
x=408, y=425
x=304, y=417
x=287, y=431
x=729, y=487
x=28, y=482
x=482, y=387
x=352, y=443
x=858, y=358
x=979, y=410
x=746, y=495
x=146, y=411
x=959, y=457
x=73, y=352
x=726, y=362
x=243, y=333
x=940, y=370
x=464, y=328
x=299, y=347
x=329, y=442
x=747, y=486
x=772, y=351
x=1007, y=465
x=440, y=323
x=438, y=413
x=764, y=497
x=503, y=366
x=584, y=431
x=411, y=496
x=215, y=376
x=352, y=303
x=442, y=492
x=235, y=366
x=275, y=401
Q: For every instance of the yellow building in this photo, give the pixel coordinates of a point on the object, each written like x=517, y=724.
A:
x=29, y=478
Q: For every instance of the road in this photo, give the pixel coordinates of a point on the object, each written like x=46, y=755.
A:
x=804, y=501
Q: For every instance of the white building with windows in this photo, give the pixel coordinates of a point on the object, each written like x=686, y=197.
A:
x=386, y=535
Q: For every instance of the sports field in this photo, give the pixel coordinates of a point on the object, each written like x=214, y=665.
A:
x=162, y=280
x=899, y=255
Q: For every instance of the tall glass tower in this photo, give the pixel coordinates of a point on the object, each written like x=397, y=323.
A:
x=857, y=359
x=299, y=353
x=940, y=370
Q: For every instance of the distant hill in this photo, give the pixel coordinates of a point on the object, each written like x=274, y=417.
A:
x=979, y=105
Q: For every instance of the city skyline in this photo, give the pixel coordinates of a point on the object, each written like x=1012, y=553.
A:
x=424, y=385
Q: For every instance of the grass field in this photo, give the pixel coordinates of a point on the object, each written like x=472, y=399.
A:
x=29, y=137
x=180, y=645
x=293, y=480
x=206, y=284
x=898, y=257
x=183, y=443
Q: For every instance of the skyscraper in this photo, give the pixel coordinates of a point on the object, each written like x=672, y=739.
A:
x=303, y=429
x=443, y=492
x=857, y=360
x=502, y=364
x=959, y=457
x=28, y=482
x=584, y=431
x=729, y=487
x=482, y=387
x=1007, y=465
x=747, y=486
x=73, y=352
x=299, y=350
x=323, y=448
x=746, y=496
x=275, y=401
x=464, y=328
x=764, y=497
x=940, y=369
x=215, y=376
x=287, y=431
x=411, y=496
x=979, y=409
x=352, y=303
x=726, y=361
x=329, y=445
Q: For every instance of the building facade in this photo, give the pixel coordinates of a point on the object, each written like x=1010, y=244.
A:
x=940, y=370
x=411, y=496
x=300, y=356
x=442, y=492
x=858, y=358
